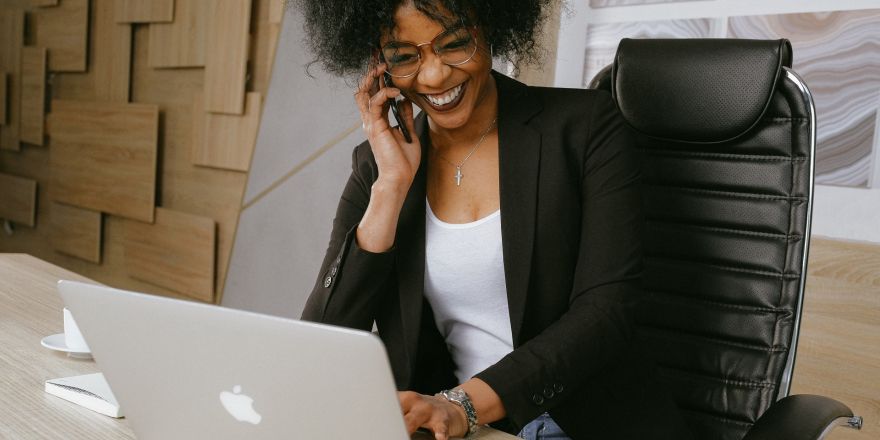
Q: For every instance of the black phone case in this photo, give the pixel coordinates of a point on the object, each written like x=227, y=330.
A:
x=395, y=110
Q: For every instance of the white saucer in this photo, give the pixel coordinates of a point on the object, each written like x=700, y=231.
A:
x=56, y=342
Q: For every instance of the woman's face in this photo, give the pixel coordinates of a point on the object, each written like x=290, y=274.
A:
x=463, y=88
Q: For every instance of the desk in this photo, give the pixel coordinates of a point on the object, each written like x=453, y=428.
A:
x=30, y=309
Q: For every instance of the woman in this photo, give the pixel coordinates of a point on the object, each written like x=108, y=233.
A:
x=497, y=250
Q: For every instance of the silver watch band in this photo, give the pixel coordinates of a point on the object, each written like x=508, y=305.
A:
x=460, y=398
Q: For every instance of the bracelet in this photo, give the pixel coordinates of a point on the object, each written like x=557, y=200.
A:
x=460, y=398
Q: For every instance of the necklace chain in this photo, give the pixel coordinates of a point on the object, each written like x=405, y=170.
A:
x=458, y=174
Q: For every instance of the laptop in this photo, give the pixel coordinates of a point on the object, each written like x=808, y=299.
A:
x=186, y=370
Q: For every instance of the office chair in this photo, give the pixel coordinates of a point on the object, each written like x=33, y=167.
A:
x=727, y=136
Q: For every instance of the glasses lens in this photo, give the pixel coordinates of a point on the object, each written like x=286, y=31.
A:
x=455, y=46
x=402, y=58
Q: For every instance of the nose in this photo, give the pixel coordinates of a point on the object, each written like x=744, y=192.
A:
x=433, y=72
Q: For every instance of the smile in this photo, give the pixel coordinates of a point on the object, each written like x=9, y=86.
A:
x=447, y=99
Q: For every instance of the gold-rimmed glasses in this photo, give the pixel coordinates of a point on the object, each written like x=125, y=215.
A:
x=454, y=47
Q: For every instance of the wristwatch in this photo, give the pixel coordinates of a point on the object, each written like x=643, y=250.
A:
x=460, y=398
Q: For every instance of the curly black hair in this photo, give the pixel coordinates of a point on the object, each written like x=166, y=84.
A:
x=343, y=33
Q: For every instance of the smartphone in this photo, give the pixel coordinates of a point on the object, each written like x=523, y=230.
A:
x=395, y=110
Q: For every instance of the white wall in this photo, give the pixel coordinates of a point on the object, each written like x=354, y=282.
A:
x=839, y=212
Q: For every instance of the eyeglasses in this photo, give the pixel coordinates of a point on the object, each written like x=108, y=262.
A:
x=454, y=47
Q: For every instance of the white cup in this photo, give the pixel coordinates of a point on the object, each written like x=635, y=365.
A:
x=73, y=338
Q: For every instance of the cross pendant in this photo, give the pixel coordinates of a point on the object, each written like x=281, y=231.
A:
x=458, y=176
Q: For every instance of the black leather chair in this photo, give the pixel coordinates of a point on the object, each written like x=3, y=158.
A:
x=727, y=134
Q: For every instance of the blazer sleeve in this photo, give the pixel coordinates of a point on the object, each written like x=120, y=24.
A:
x=350, y=280
x=596, y=330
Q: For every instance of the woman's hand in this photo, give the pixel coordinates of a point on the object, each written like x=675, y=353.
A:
x=397, y=159
x=444, y=418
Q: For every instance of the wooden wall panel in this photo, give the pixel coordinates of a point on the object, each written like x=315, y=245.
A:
x=276, y=11
x=64, y=31
x=3, y=98
x=18, y=199
x=181, y=186
x=103, y=156
x=144, y=11
x=76, y=232
x=176, y=252
x=11, y=41
x=226, y=57
x=227, y=141
x=182, y=42
x=110, y=56
x=43, y=3
x=33, y=94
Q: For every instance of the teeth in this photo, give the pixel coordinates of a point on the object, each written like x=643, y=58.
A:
x=446, y=98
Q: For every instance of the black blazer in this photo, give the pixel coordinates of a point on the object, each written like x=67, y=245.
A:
x=570, y=225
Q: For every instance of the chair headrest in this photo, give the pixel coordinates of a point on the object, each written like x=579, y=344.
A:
x=697, y=90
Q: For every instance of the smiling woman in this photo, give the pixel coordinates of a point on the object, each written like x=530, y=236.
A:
x=498, y=248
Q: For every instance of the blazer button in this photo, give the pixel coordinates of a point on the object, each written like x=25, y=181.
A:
x=328, y=281
x=538, y=399
x=548, y=393
x=558, y=387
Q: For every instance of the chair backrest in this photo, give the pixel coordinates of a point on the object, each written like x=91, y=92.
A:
x=727, y=136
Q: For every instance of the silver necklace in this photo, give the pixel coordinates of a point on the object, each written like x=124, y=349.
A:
x=458, y=174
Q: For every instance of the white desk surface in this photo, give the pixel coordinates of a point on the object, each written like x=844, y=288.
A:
x=30, y=309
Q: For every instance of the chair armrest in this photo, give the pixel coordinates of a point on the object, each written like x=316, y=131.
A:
x=802, y=417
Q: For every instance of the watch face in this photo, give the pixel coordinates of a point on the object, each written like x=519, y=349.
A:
x=458, y=395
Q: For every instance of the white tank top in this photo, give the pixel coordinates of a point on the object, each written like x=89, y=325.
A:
x=464, y=283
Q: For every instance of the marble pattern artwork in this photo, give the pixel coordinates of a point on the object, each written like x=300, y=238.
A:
x=838, y=54
x=602, y=39
x=611, y=3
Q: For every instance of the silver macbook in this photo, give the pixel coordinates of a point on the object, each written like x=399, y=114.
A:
x=185, y=370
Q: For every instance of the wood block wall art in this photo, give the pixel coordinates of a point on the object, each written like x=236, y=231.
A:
x=43, y=3
x=226, y=141
x=103, y=156
x=110, y=54
x=176, y=252
x=3, y=97
x=144, y=11
x=276, y=11
x=226, y=56
x=33, y=94
x=75, y=231
x=18, y=199
x=182, y=42
x=11, y=41
x=64, y=30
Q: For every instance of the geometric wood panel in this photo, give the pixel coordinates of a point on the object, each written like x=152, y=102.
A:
x=144, y=11
x=110, y=53
x=176, y=252
x=75, y=231
x=276, y=11
x=3, y=103
x=182, y=42
x=33, y=94
x=11, y=41
x=64, y=31
x=226, y=55
x=226, y=141
x=18, y=199
x=103, y=156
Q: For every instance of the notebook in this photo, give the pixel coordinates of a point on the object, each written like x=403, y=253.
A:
x=190, y=370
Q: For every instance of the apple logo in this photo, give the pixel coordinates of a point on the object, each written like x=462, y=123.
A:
x=240, y=406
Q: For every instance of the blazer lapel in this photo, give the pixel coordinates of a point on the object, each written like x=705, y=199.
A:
x=411, y=249
x=519, y=156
